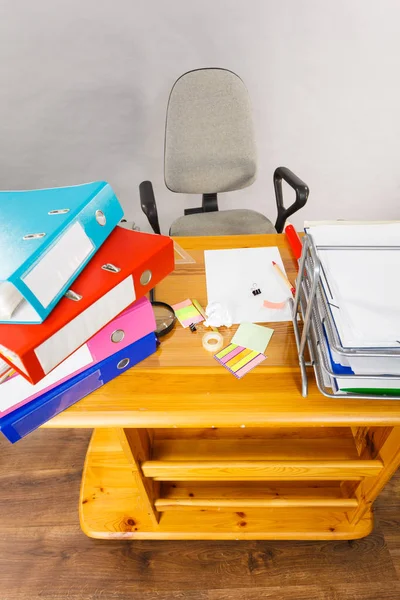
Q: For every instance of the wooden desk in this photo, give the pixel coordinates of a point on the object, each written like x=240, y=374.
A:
x=183, y=450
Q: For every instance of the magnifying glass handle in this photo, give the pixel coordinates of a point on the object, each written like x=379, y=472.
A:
x=152, y=295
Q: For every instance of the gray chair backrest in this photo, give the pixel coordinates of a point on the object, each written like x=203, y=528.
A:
x=209, y=135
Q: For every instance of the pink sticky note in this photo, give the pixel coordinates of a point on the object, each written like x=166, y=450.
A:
x=277, y=305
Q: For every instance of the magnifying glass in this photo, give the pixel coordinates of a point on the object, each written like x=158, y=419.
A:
x=164, y=315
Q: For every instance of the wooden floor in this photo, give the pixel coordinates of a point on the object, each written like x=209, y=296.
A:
x=43, y=553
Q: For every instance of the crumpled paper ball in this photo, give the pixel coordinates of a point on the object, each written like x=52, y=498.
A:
x=217, y=315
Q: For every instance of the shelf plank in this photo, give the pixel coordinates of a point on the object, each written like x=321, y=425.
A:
x=254, y=449
x=250, y=495
x=261, y=470
x=162, y=504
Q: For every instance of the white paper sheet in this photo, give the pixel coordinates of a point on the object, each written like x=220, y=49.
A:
x=367, y=291
x=231, y=275
x=368, y=234
x=362, y=285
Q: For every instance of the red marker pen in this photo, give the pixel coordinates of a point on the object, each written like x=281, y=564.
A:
x=294, y=240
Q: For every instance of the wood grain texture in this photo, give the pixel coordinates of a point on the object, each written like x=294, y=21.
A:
x=369, y=489
x=255, y=449
x=255, y=433
x=136, y=445
x=263, y=500
x=181, y=385
x=261, y=470
x=110, y=508
x=44, y=555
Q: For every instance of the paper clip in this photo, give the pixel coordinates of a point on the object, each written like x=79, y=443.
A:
x=255, y=290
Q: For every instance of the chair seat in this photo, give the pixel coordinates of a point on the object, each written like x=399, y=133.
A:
x=225, y=222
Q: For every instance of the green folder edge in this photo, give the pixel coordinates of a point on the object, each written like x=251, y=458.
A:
x=372, y=391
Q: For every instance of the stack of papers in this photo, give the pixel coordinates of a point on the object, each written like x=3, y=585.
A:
x=360, y=305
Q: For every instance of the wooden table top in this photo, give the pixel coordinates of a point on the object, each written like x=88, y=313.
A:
x=181, y=385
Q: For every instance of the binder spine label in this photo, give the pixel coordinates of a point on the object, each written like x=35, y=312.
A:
x=62, y=261
x=60, y=345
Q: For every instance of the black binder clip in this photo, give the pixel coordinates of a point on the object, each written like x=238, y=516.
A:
x=255, y=290
x=192, y=327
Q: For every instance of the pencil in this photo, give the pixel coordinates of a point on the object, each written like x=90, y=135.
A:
x=197, y=305
x=283, y=277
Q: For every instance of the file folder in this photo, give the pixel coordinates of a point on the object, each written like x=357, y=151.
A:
x=124, y=269
x=26, y=419
x=135, y=322
x=46, y=239
x=344, y=379
x=348, y=290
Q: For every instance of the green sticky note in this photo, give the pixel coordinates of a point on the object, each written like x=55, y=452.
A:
x=254, y=337
x=225, y=351
x=187, y=312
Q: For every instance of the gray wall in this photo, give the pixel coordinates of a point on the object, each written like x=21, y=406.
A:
x=84, y=86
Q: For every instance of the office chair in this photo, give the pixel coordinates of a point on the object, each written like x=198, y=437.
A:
x=209, y=149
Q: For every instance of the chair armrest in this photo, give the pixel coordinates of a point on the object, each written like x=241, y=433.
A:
x=148, y=204
x=300, y=188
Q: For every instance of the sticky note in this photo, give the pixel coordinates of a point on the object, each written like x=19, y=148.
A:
x=243, y=360
x=187, y=313
x=254, y=337
x=239, y=360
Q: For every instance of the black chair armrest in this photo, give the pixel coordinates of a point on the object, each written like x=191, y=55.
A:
x=300, y=188
x=148, y=204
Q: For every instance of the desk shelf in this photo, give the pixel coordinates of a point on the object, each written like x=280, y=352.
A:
x=219, y=495
x=239, y=459
x=122, y=499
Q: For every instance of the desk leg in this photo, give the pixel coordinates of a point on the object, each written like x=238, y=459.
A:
x=116, y=500
x=136, y=445
x=384, y=443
